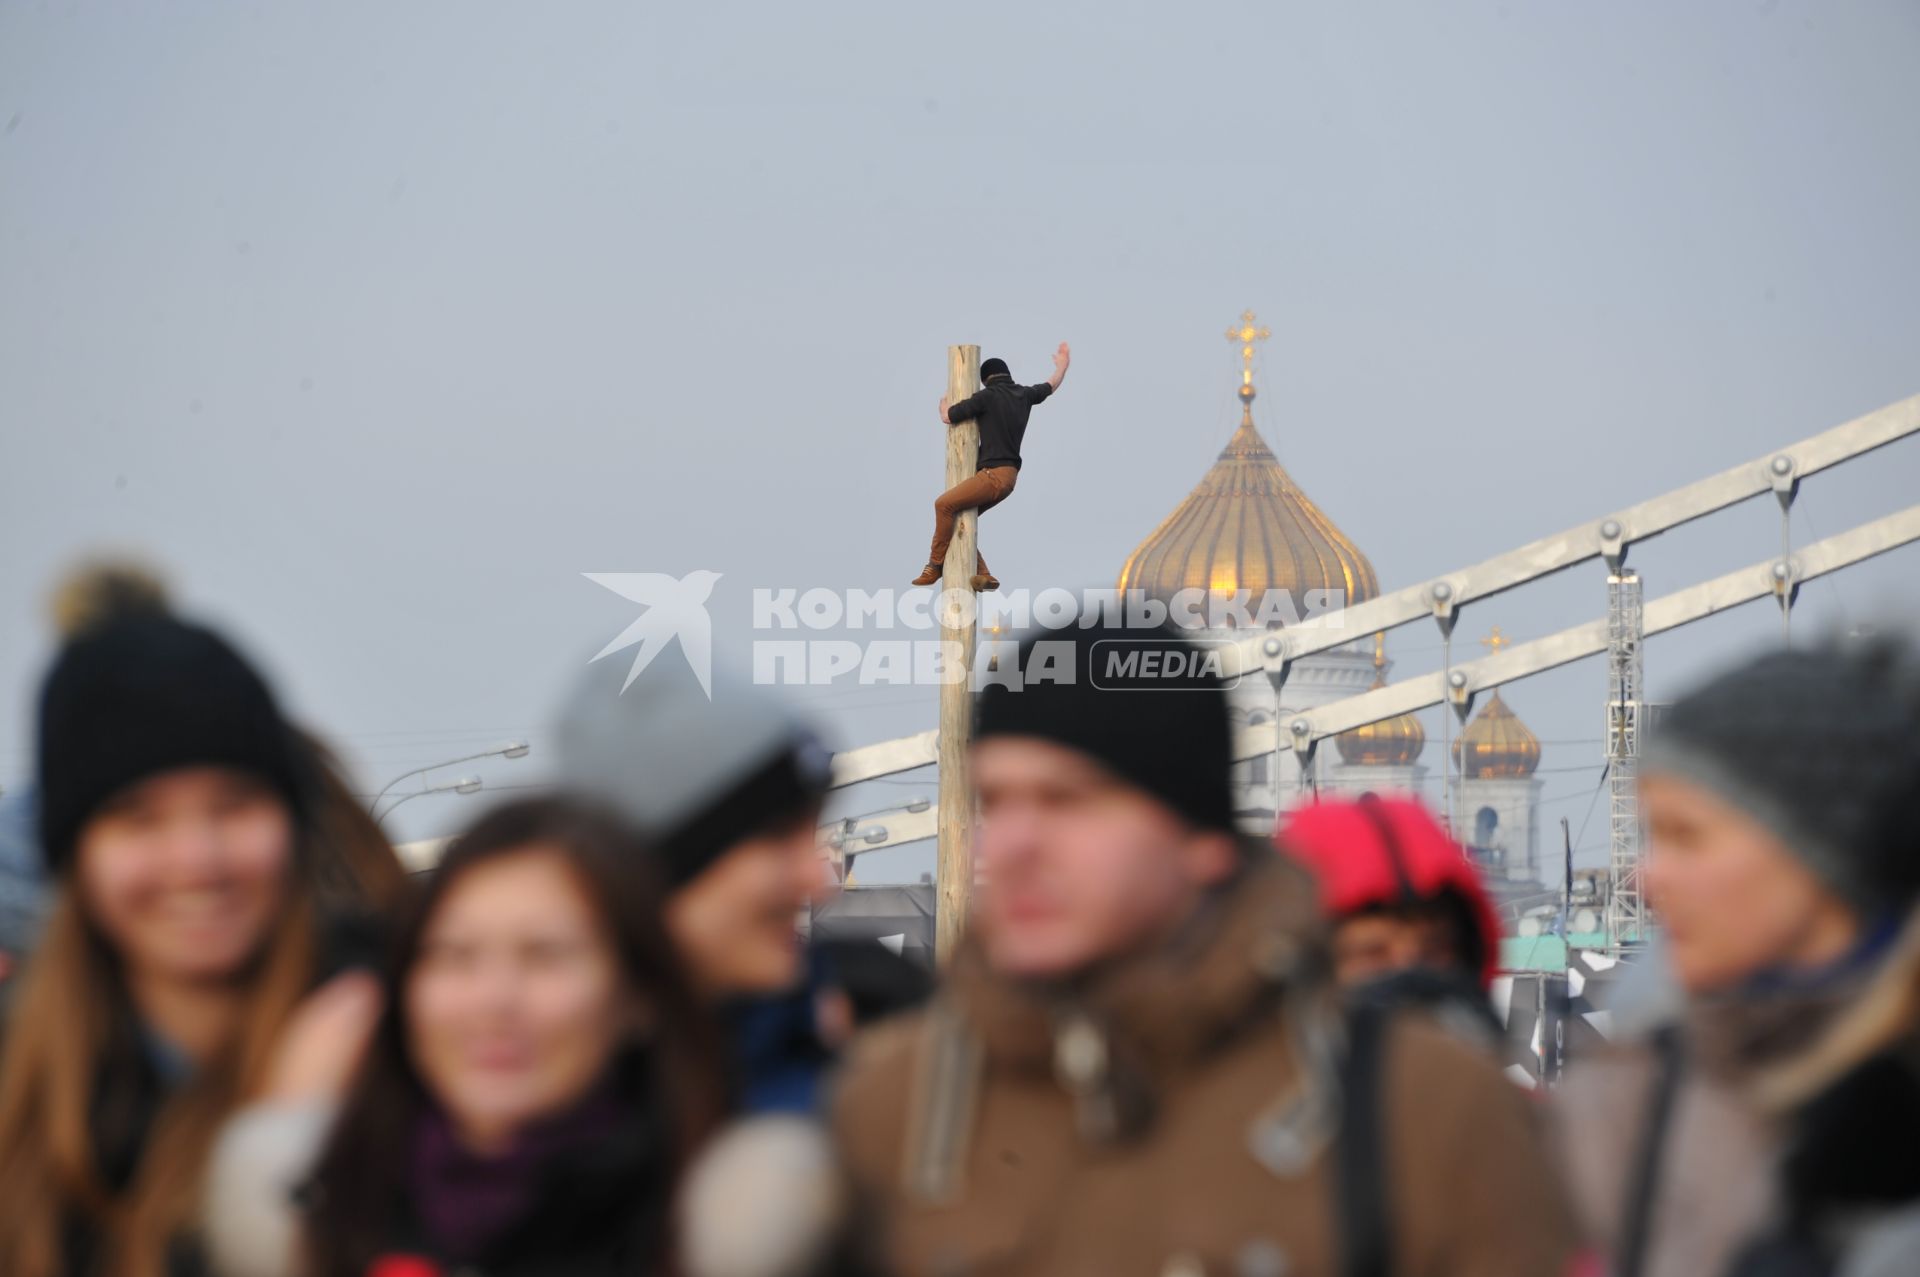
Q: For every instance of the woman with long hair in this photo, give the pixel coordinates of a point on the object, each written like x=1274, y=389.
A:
x=179, y=817
x=529, y=1102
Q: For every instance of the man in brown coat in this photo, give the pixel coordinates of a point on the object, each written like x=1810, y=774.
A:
x=1136, y=1065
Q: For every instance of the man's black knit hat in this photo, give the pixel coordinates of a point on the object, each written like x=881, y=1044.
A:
x=1821, y=745
x=135, y=692
x=1149, y=704
x=991, y=368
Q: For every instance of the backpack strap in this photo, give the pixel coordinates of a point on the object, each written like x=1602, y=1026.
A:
x=1636, y=1225
x=1363, y=1197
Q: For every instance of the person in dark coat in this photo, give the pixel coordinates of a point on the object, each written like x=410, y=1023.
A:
x=1412, y=925
x=726, y=790
x=1002, y=407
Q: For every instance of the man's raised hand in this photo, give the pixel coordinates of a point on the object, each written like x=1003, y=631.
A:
x=1062, y=357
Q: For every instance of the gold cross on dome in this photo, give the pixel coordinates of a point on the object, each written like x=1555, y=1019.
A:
x=1496, y=641
x=1244, y=336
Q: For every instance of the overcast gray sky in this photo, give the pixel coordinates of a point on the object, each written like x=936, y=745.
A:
x=378, y=324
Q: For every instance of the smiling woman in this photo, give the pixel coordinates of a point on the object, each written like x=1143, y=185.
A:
x=181, y=816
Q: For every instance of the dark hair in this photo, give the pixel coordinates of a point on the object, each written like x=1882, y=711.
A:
x=672, y=1077
x=991, y=368
x=357, y=873
x=1448, y=911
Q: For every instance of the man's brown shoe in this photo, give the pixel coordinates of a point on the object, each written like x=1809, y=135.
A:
x=929, y=575
x=986, y=581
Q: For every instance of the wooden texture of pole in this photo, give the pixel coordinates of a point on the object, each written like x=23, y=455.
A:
x=955, y=863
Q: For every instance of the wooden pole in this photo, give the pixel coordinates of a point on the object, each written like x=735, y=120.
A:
x=955, y=865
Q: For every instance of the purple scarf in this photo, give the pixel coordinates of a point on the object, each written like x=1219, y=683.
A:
x=468, y=1201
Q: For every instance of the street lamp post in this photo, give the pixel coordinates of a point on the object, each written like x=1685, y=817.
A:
x=512, y=749
x=850, y=828
x=465, y=785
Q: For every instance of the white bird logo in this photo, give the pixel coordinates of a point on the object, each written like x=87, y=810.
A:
x=676, y=608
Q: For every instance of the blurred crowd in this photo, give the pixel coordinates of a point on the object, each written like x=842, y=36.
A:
x=593, y=1038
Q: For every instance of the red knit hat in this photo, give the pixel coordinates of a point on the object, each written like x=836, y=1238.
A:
x=1387, y=852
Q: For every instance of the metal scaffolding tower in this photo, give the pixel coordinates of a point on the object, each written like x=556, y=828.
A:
x=1626, y=906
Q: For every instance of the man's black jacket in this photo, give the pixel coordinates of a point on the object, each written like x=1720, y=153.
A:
x=1001, y=407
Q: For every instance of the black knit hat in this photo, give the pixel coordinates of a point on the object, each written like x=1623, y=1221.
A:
x=140, y=693
x=991, y=368
x=1149, y=704
x=1821, y=745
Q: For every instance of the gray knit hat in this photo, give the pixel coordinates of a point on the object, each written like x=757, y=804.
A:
x=1821, y=745
x=695, y=774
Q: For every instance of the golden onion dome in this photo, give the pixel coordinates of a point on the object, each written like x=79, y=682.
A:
x=1248, y=526
x=1395, y=741
x=1496, y=745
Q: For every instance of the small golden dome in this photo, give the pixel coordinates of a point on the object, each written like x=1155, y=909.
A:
x=1496, y=745
x=1248, y=526
x=1395, y=741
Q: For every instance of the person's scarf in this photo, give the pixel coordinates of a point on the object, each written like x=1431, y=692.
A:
x=469, y=1201
x=1781, y=1012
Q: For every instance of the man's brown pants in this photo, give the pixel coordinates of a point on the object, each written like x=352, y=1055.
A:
x=985, y=490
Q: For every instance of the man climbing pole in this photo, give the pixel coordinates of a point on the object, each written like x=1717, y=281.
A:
x=1001, y=406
